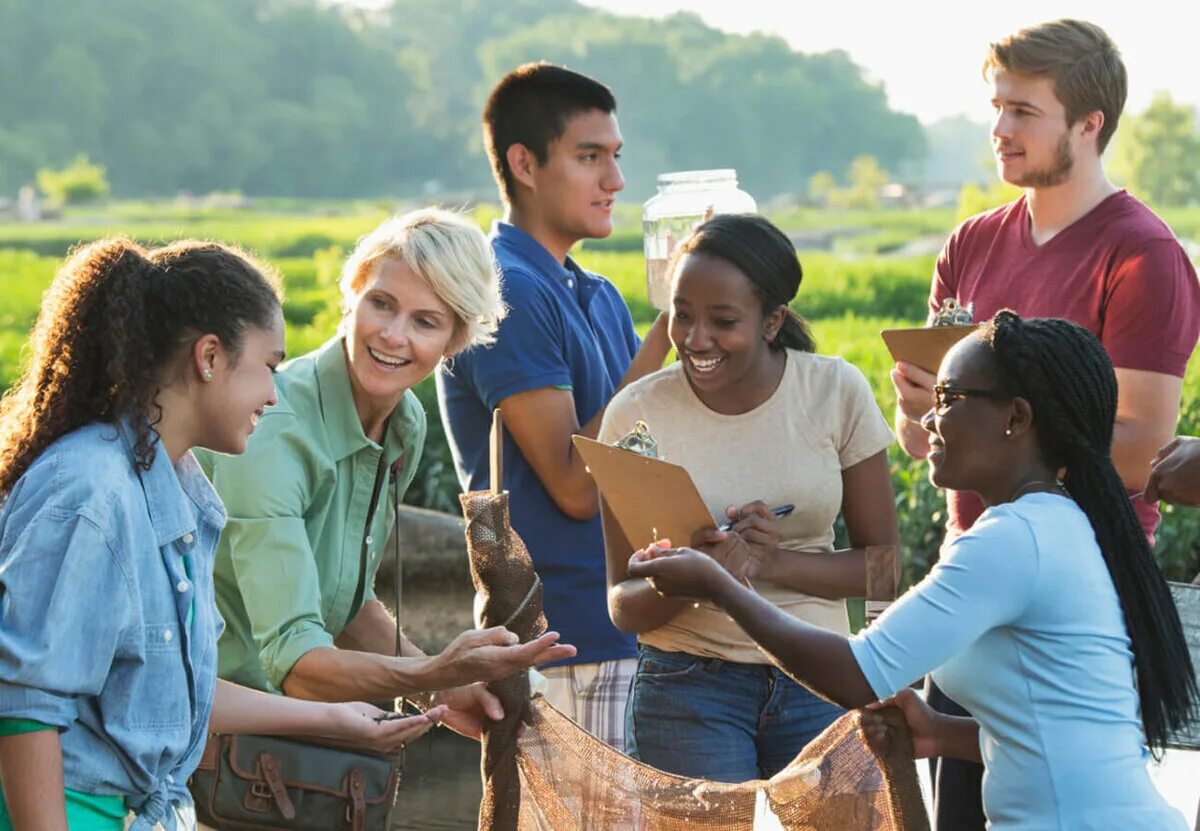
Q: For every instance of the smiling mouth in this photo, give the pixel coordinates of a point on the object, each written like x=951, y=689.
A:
x=387, y=360
x=705, y=365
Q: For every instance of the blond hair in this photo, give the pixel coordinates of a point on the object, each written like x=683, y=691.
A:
x=1079, y=58
x=450, y=254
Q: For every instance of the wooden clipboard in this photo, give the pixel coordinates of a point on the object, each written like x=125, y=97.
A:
x=650, y=499
x=926, y=346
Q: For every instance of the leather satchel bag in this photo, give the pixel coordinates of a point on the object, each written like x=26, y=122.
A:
x=275, y=782
x=301, y=784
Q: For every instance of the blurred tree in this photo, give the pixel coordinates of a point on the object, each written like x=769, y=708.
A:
x=80, y=181
x=1156, y=153
x=821, y=186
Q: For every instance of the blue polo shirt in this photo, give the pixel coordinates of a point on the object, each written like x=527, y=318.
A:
x=565, y=328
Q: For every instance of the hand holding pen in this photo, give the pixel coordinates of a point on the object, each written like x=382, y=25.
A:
x=745, y=543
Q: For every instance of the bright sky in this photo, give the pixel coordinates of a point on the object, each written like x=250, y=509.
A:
x=928, y=52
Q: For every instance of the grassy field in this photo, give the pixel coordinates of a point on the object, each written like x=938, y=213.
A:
x=848, y=296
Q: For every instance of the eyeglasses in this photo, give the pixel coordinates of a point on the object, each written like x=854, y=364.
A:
x=944, y=395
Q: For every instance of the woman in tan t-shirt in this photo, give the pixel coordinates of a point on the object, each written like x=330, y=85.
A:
x=759, y=420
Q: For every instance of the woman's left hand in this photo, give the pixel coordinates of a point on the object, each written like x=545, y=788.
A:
x=363, y=725
x=679, y=572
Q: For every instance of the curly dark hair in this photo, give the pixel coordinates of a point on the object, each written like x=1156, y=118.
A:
x=112, y=324
x=1064, y=372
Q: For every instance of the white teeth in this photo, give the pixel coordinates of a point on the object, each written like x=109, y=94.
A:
x=705, y=365
x=387, y=360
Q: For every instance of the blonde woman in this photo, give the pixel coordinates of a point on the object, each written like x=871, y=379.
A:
x=300, y=611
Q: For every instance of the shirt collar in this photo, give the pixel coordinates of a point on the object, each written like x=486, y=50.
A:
x=523, y=244
x=343, y=429
x=175, y=493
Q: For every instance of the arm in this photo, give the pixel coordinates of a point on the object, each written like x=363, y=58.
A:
x=984, y=579
x=1147, y=409
x=869, y=509
x=633, y=604
x=239, y=709
x=542, y=422
x=31, y=774
x=1175, y=475
x=333, y=674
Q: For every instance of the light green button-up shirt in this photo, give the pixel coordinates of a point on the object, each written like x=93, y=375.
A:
x=288, y=563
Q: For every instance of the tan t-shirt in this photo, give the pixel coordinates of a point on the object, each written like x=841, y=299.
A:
x=792, y=448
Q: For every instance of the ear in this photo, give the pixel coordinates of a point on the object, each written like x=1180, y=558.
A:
x=207, y=355
x=1091, y=125
x=1020, y=418
x=773, y=323
x=522, y=163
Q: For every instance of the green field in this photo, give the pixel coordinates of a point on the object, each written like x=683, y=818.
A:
x=848, y=296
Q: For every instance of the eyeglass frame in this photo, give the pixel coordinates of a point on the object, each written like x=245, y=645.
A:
x=941, y=403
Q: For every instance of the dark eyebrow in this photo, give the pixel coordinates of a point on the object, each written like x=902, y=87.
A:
x=1026, y=104
x=596, y=145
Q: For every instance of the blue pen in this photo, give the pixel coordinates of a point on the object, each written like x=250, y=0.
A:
x=779, y=512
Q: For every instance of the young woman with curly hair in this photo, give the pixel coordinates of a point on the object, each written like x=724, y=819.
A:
x=108, y=624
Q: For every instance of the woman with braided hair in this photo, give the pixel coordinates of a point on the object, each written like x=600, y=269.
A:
x=108, y=624
x=1048, y=619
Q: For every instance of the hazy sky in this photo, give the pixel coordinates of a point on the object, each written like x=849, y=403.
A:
x=928, y=52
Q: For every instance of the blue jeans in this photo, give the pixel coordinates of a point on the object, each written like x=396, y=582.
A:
x=718, y=720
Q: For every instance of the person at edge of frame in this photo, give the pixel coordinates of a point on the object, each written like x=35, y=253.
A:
x=1074, y=246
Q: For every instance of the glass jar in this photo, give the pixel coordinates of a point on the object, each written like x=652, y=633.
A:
x=683, y=201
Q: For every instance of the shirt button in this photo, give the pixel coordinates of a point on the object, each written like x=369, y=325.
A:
x=168, y=636
x=171, y=778
x=188, y=539
x=570, y=284
x=181, y=586
x=369, y=540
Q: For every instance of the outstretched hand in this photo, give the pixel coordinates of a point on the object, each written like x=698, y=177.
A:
x=679, y=572
x=495, y=653
x=363, y=725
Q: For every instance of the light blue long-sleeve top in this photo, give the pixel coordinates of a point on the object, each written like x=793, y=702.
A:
x=1020, y=623
x=97, y=634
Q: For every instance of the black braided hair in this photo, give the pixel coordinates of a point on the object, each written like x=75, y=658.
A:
x=1068, y=379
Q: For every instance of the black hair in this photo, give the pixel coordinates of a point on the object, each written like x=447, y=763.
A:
x=1066, y=375
x=768, y=259
x=531, y=106
x=112, y=323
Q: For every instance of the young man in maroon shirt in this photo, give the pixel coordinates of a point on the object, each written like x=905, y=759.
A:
x=1074, y=246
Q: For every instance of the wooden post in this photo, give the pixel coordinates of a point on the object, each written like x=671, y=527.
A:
x=497, y=452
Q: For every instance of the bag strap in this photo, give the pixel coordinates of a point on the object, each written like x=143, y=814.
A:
x=380, y=478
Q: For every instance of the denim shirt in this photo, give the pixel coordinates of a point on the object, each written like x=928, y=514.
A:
x=94, y=603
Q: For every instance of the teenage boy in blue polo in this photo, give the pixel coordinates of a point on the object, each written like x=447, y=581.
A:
x=567, y=345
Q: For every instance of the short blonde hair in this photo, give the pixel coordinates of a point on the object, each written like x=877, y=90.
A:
x=450, y=253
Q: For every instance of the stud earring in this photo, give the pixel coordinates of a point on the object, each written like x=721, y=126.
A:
x=208, y=375
x=1008, y=432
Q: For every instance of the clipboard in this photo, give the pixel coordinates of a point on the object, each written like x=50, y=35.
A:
x=925, y=346
x=649, y=498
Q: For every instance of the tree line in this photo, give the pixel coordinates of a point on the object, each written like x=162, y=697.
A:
x=300, y=98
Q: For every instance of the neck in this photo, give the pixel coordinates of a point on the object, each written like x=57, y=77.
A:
x=176, y=430
x=1054, y=208
x=373, y=411
x=747, y=393
x=1008, y=487
x=535, y=225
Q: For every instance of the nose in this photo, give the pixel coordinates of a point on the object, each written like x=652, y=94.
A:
x=614, y=182
x=927, y=421
x=396, y=331
x=696, y=339
x=1001, y=125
